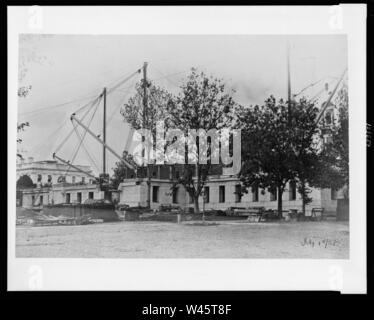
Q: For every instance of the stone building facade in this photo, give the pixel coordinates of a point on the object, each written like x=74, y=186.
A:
x=222, y=192
x=77, y=186
x=49, y=171
x=60, y=193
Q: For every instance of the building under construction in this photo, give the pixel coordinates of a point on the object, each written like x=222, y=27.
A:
x=61, y=182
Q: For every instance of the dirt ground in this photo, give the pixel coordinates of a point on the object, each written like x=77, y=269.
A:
x=229, y=239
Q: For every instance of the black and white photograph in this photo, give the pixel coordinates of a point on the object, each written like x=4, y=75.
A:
x=173, y=146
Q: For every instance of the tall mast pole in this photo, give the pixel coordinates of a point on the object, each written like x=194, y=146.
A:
x=104, y=131
x=145, y=100
x=145, y=119
x=288, y=81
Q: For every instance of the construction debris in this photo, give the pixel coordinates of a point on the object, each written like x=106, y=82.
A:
x=37, y=218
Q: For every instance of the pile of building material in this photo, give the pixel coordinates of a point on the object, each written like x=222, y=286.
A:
x=127, y=213
x=38, y=218
x=96, y=209
x=245, y=212
x=214, y=212
x=169, y=208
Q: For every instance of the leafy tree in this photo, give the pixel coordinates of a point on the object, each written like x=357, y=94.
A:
x=278, y=146
x=27, y=55
x=334, y=165
x=132, y=113
x=21, y=127
x=24, y=182
x=340, y=137
x=120, y=171
x=202, y=103
x=24, y=91
x=157, y=100
x=305, y=145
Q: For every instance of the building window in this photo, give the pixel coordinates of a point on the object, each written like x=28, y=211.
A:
x=49, y=178
x=68, y=198
x=32, y=200
x=292, y=191
x=206, y=194
x=79, y=197
x=221, y=194
x=273, y=194
x=83, y=179
x=73, y=179
x=155, y=190
x=61, y=179
x=40, y=200
x=39, y=177
x=238, y=193
x=175, y=195
x=334, y=194
x=90, y=195
x=255, y=193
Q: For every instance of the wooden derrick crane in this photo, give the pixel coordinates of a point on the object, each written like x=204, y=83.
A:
x=103, y=178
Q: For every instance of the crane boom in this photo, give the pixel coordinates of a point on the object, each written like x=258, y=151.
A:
x=130, y=166
x=73, y=166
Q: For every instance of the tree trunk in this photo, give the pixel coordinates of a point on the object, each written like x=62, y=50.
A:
x=203, y=215
x=303, y=197
x=196, y=205
x=280, y=193
x=303, y=207
x=148, y=187
x=196, y=197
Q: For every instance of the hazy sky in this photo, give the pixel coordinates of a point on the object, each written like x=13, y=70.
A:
x=65, y=68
